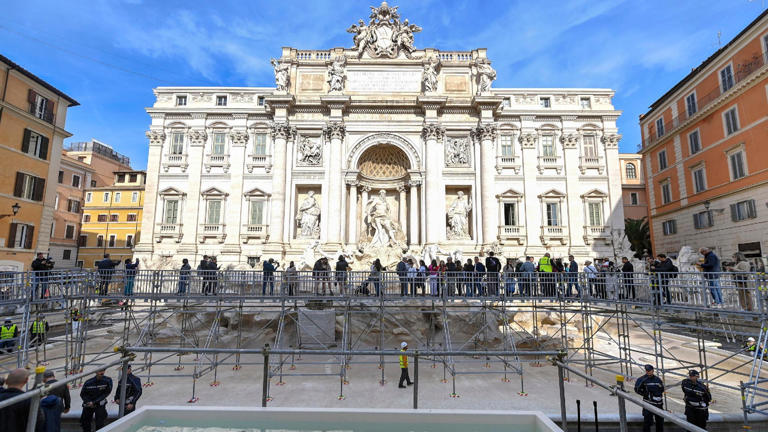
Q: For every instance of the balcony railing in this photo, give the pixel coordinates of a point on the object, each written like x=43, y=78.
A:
x=217, y=160
x=259, y=161
x=507, y=162
x=168, y=231
x=313, y=55
x=551, y=233
x=252, y=231
x=591, y=162
x=175, y=160
x=743, y=71
x=512, y=233
x=550, y=162
x=211, y=231
x=459, y=56
x=596, y=232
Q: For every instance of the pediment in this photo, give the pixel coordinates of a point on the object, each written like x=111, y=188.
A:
x=213, y=192
x=552, y=193
x=256, y=192
x=510, y=193
x=595, y=193
x=172, y=192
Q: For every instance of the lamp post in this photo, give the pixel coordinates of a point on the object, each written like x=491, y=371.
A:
x=14, y=208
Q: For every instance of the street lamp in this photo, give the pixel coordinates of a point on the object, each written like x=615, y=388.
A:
x=14, y=208
x=706, y=205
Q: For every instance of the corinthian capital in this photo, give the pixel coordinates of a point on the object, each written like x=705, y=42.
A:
x=433, y=131
x=334, y=130
x=528, y=140
x=239, y=138
x=611, y=141
x=197, y=137
x=569, y=141
x=484, y=132
x=156, y=137
x=281, y=130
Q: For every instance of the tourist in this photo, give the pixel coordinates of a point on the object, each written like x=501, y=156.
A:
x=413, y=275
x=404, y=377
x=451, y=276
x=468, y=270
x=132, y=391
x=441, y=270
x=600, y=291
x=14, y=417
x=130, y=276
x=184, y=273
x=591, y=273
x=213, y=268
x=38, y=330
x=741, y=267
x=665, y=269
x=492, y=267
x=558, y=269
x=9, y=334
x=508, y=272
x=106, y=269
x=546, y=278
x=342, y=267
x=202, y=270
x=651, y=388
x=433, y=271
x=373, y=277
x=572, y=277
x=697, y=399
x=94, y=395
x=480, y=288
x=56, y=402
x=627, y=278
x=291, y=276
x=528, y=274
x=711, y=268
x=268, y=269
x=402, y=275
x=422, y=276
x=41, y=271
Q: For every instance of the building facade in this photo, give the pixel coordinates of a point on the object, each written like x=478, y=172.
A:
x=376, y=151
x=633, y=186
x=112, y=219
x=72, y=179
x=705, y=156
x=33, y=117
x=102, y=158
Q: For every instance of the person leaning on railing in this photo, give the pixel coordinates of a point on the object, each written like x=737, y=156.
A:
x=711, y=268
x=106, y=268
x=184, y=273
x=742, y=266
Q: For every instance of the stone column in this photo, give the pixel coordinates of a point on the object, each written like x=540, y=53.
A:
x=352, y=216
x=334, y=132
x=413, y=208
x=403, y=216
x=485, y=134
x=280, y=133
x=363, y=200
x=433, y=134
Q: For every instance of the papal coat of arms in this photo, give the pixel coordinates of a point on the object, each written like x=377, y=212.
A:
x=384, y=35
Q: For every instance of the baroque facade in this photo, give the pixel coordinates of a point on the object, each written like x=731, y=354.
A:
x=379, y=150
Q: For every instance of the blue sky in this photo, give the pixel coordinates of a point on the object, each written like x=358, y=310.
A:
x=110, y=54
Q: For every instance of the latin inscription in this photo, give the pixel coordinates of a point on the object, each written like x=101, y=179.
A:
x=384, y=81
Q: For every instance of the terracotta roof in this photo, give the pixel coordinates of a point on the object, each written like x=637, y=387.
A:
x=38, y=80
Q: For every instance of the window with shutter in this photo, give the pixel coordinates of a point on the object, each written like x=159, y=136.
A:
x=260, y=144
x=510, y=214
x=18, y=188
x=257, y=212
x=25, y=141
x=29, y=235
x=553, y=214
x=595, y=214
x=589, y=145
x=171, y=211
x=43, y=154
x=39, y=189
x=12, y=235
x=99, y=240
x=214, y=212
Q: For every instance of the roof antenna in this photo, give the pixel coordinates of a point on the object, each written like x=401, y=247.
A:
x=719, y=33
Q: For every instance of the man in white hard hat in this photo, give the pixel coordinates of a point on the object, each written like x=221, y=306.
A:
x=751, y=346
x=404, y=377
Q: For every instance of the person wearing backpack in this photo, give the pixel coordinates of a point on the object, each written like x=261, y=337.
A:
x=492, y=267
x=666, y=270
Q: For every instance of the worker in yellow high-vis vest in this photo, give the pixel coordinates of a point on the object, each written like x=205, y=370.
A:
x=546, y=277
x=9, y=334
x=38, y=330
x=404, y=377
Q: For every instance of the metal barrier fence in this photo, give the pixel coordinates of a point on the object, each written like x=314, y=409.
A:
x=737, y=292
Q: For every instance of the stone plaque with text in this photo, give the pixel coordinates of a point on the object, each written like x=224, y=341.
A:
x=384, y=81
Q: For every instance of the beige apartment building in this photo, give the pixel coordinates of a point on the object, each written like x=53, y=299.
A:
x=72, y=179
x=633, y=186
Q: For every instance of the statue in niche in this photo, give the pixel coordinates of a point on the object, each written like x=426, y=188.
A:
x=429, y=79
x=337, y=74
x=485, y=76
x=458, y=218
x=308, y=217
x=378, y=220
x=457, y=152
x=309, y=152
x=282, y=79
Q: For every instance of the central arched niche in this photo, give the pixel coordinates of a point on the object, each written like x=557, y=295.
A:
x=383, y=162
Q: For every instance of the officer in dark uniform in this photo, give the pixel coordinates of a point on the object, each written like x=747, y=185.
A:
x=94, y=394
x=697, y=399
x=132, y=391
x=9, y=334
x=651, y=388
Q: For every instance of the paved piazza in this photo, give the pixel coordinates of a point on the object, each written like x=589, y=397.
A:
x=379, y=150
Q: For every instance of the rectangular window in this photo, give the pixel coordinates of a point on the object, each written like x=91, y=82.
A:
x=88, y=197
x=133, y=178
x=66, y=254
x=553, y=214
x=506, y=103
x=260, y=144
x=690, y=104
x=736, y=161
x=134, y=197
x=40, y=107
x=131, y=217
x=29, y=187
x=105, y=197
x=595, y=213
x=743, y=210
x=731, y=119
x=129, y=241
x=83, y=240
x=585, y=103
x=73, y=206
x=660, y=127
x=221, y=101
x=256, y=216
x=21, y=236
x=260, y=101
x=219, y=142
x=100, y=240
x=56, y=202
x=694, y=143
x=703, y=219
x=548, y=145
x=35, y=144
x=86, y=218
x=510, y=214
x=177, y=143
x=101, y=218
x=507, y=146
x=699, y=180
x=69, y=232
x=213, y=212
x=93, y=183
x=114, y=218
x=633, y=199
x=112, y=240
x=666, y=193
x=545, y=102
x=120, y=178
x=76, y=181
x=118, y=196
x=181, y=100
x=726, y=78
x=662, y=160
x=171, y=213
x=590, y=146
x=669, y=227
x=61, y=177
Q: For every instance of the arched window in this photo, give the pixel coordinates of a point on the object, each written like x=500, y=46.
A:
x=631, y=171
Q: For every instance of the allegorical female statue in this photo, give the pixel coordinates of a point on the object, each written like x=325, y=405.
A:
x=308, y=217
x=458, y=218
x=282, y=78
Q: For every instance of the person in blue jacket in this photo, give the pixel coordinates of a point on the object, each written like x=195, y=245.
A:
x=651, y=388
x=94, y=394
x=132, y=391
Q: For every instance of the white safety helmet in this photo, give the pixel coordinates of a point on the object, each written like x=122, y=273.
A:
x=403, y=344
x=750, y=339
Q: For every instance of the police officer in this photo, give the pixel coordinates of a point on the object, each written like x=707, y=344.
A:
x=38, y=329
x=404, y=377
x=132, y=391
x=697, y=399
x=9, y=333
x=651, y=388
x=94, y=394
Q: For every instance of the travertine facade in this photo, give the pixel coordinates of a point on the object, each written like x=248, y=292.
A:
x=380, y=149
